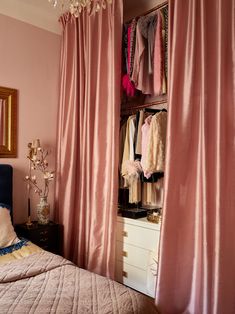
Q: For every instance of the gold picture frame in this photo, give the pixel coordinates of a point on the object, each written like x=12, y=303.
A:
x=8, y=122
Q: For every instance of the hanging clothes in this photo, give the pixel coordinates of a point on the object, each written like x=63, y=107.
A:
x=128, y=152
x=151, y=40
x=122, y=136
x=159, y=76
x=142, y=79
x=135, y=191
x=132, y=45
x=137, y=116
x=152, y=194
x=134, y=169
x=165, y=15
x=148, y=139
x=132, y=138
x=124, y=49
x=145, y=138
x=131, y=169
x=155, y=155
x=127, y=84
x=164, y=83
x=158, y=57
x=148, y=27
x=145, y=44
x=138, y=149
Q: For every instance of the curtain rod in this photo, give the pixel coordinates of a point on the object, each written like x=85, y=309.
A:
x=159, y=6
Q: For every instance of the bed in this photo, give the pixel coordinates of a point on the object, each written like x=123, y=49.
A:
x=35, y=281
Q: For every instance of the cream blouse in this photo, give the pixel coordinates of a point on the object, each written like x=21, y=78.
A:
x=155, y=154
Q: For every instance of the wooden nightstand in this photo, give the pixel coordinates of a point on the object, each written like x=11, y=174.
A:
x=45, y=236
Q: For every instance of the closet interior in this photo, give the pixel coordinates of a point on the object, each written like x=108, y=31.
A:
x=143, y=126
x=144, y=114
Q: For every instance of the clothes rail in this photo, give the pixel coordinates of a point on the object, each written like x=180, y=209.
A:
x=157, y=7
x=132, y=109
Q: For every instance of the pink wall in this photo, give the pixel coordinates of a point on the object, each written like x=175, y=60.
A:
x=29, y=62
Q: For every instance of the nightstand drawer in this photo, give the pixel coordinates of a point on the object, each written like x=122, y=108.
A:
x=41, y=237
x=45, y=236
x=142, y=237
x=44, y=233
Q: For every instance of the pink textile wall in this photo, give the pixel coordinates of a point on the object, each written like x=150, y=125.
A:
x=29, y=62
x=196, y=272
x=88, y=129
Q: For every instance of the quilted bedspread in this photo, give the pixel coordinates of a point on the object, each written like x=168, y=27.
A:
x=48, y=283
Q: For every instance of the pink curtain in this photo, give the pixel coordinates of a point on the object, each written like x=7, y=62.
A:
x=87, y=155
x=197, y=257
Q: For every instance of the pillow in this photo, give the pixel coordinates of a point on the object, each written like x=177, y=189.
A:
x=7, y=234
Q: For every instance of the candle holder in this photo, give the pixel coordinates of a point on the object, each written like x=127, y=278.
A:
x=29, y=222
x=30, y=155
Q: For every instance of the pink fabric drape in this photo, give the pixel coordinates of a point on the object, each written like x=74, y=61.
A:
x=87, y=156
x=197, y=257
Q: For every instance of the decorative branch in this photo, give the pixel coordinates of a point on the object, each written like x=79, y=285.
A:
x=37, y=159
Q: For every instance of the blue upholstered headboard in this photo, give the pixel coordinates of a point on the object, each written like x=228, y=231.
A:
x=6, y=172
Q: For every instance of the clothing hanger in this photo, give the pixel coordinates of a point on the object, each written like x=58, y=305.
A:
x=150, y=110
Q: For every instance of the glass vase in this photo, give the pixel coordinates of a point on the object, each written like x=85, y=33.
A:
x=43, y=211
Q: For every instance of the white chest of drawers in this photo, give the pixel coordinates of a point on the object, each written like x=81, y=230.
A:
x=137, y=243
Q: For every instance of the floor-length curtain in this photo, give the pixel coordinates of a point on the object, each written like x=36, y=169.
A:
x=197, y=257
x=88, y=124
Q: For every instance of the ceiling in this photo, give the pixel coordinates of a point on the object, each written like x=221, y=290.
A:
x=40, y=13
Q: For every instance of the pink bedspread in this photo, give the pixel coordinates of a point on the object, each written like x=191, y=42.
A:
x=47, y=283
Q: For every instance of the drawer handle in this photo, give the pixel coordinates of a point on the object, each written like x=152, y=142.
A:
x=43, y=232
x=125, y=233
x=124, y=253
x=43, y=239
x=124, y=273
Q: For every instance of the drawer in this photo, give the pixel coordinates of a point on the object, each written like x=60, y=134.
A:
x=132, y=255
x=142, y=237
x=45, y=247
x=131, y=276
x=152, y=276
x=45, y=236
x=43, y=233
x=37, y=239
x=136, y=278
